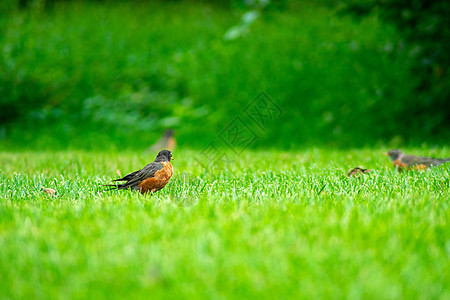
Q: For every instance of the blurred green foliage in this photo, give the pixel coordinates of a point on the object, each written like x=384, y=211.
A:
x=424, y=28
x=96, y=74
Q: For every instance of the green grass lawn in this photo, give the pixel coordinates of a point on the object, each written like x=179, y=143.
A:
x=270, y=225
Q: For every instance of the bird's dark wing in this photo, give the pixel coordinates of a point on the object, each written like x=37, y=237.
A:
x=414, y=160
x=421, y=160
x=436, y=161
x=128, y=176
x=136, y=177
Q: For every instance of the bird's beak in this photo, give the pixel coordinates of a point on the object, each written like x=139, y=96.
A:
x=172, y=158
x=386, y=154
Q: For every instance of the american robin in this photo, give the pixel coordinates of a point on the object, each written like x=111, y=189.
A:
x=407, y=161
x=151, y=178
x=357, y=171
x=167, y=141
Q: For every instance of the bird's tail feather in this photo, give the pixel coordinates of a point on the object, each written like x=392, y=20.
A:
x=113, y=186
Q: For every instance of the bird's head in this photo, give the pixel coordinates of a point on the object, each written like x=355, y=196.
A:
x=394, y=154
x=164, y=155
x=168, y=133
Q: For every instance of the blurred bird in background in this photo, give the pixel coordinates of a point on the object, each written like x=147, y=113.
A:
x=166, y=141
x=407, y=161
x=357, y=171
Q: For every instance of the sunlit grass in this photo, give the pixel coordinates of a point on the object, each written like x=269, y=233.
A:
x=283, y=225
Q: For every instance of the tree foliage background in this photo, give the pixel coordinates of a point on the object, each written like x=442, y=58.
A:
x=95, y=74
x=424, y=29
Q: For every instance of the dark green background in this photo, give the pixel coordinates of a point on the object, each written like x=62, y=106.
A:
x=115, y=74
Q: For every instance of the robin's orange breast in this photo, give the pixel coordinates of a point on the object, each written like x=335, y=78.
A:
x=421, y=167
x=401, y=165
x=158, y=181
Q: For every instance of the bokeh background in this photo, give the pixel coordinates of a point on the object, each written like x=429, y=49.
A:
x=115, y=74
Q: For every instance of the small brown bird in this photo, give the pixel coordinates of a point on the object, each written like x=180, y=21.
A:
x=48, y=191
x=151, y=178
x=407, y=161
x=357, y=171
